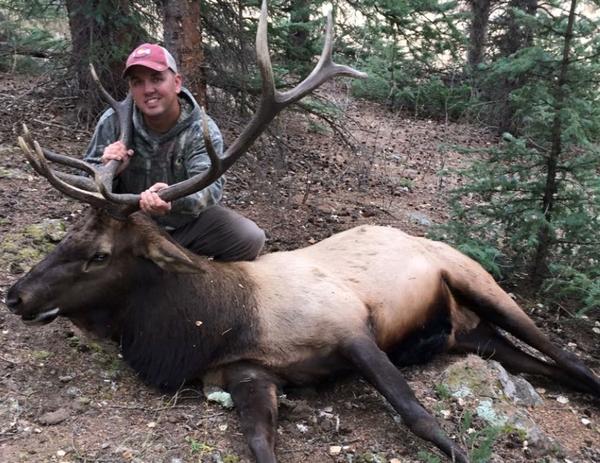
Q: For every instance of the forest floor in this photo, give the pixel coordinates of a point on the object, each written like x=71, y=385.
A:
x=68, y=398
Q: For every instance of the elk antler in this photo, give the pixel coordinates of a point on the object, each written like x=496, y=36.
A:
x=90, y=190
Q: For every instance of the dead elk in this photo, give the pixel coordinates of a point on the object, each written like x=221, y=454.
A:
x=355, y=301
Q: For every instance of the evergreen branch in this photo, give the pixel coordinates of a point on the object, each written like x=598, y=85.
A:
x=339, y=129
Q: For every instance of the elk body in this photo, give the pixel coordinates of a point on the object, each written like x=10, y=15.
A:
x=365, y=300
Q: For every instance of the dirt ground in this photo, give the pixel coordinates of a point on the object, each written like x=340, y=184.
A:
x=68, y=398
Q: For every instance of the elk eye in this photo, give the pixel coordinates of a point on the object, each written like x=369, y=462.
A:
x=100, y=257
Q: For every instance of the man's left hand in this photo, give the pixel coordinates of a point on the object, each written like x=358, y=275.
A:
x=151, y=203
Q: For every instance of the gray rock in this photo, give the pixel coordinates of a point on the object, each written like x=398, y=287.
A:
x=498, y=398
x=516, y=388
x=420, y=219
x=526, y=393
x=73, y=392
x=55, y=417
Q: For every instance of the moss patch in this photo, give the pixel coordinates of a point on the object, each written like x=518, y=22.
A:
x=20, y=250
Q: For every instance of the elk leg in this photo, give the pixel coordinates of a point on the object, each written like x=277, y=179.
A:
x=486, y=341
x=581, y=375
x=377, y=368
x=497, y=308
x=254, y=394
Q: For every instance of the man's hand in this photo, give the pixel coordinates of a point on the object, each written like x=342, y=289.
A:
x=119, y=152
x=151, y=203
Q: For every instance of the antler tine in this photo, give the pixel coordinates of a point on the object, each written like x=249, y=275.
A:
x=39, y=163
x=323, y=71
x=200, y=181
x=107, y=96
x=77, y=181
x=271, y=103
x=123, y=110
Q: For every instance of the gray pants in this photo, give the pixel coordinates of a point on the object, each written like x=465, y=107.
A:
x=223, y=234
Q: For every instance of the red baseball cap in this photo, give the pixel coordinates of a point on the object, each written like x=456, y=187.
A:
x=152, y=56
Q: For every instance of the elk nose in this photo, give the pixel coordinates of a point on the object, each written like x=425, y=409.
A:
x=13, y=299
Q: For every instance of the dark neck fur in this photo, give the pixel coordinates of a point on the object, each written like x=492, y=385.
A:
x=173, y=326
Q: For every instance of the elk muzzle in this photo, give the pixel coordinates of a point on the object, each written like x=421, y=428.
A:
x=20, y=304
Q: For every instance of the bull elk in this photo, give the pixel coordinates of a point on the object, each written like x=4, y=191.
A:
x=367, y=299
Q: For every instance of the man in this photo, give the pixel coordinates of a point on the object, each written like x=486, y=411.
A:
x=168, y=147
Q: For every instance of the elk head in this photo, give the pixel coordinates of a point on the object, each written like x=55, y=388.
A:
x=99, y=261
x=99, y=253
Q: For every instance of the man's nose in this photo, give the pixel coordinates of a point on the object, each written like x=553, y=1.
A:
x=148, y=87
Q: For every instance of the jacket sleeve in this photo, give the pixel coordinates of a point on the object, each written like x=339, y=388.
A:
x=106, y=133
x=196, y=161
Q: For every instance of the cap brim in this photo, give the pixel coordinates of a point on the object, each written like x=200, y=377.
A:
x=147, y=64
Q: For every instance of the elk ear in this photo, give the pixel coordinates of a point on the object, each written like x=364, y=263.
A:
x=170, y=257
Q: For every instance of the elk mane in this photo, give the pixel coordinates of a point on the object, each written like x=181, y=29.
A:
x=168, y=335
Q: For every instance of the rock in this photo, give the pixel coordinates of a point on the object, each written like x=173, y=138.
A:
x=420, y=219
x=497, y=398
x=335, y=450
x=218, y=395
x=55, y=417
x=52, y=230
x=516, y=388
x=73, y=392
x=586, y=422
x=526, y=393
x=302, y=428
x=470, y=377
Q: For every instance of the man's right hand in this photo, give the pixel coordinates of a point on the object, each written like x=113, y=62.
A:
x=119, y=152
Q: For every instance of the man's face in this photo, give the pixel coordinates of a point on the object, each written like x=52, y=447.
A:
x=154, y=92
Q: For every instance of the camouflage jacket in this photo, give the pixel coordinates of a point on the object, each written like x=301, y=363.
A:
x=169, y=158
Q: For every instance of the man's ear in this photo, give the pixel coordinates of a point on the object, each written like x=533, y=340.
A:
x=169, y=256
x=178, y=82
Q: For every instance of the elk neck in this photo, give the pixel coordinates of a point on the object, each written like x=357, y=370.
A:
x=174, y=326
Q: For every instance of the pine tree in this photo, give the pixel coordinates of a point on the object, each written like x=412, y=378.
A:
x=532, y=205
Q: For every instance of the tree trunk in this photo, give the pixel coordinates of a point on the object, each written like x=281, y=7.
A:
x=478, y=31
x=183, y=38
x=243, y=71
x=546, y=235
x=102, y=33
